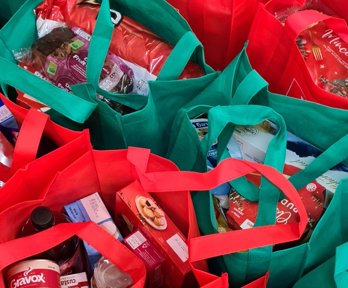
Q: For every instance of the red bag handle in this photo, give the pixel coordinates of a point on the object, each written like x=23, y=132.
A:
x=21, y=248
x=301, y=20
x=29, y=138
x=201, y=248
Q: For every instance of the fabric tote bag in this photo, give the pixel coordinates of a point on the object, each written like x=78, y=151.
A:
x=150, y=173
x=331, y=273
x=109, y=128
x=39, y=136
x=302, y=55
x=318, y=131
x=222, y=27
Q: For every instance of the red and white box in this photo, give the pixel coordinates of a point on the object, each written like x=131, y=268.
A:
x=151, y=256
x=140, y=211
x=242, y=213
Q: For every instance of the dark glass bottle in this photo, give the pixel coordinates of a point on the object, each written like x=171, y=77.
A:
x=68, y=254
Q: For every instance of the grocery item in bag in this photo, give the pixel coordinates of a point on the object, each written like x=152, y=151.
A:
x=34, y=274
x=139, y=210
x=78, y=280
x=107, y=275
x=326, y=58
x=67, y=255
x=151, y=256
x=131, y=41
x=61, y=58
x=92, y=208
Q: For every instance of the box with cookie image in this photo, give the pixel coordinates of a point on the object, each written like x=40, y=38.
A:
x=140, y=212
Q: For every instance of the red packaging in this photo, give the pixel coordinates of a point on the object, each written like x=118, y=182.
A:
x=34, y=274
x=326, y=57
x=152, y=258
x=131, y=41
x=242, y=213
x=139, y=210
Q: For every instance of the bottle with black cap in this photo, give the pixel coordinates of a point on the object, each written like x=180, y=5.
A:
x=68, y=254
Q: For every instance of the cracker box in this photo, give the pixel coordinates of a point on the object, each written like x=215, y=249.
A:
x=140, y=211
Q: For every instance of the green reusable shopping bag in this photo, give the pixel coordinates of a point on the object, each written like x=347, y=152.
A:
x=8, y=8
x=322, y=126
x=333, y=272
x=145, y=127
x=325, y=128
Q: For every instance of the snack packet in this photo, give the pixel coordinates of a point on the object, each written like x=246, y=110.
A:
x=131, y=41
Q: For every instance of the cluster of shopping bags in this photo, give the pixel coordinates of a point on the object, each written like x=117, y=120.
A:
x=166, y=127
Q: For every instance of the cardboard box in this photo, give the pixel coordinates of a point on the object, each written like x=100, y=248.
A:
x=139, y=210
x=78, y=280
x=242, y=213
x=151, y=256
x=92, y=208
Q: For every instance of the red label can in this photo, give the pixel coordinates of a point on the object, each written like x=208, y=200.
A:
x=34, y=274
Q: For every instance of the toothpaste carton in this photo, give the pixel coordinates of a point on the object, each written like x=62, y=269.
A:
x=92, y=208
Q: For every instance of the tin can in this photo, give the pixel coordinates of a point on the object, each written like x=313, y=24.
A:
x=34, y=274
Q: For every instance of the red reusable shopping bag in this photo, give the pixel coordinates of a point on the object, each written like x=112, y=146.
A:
x=34, y=126
x=111, y=171
x=222, y=26
x=273, y=51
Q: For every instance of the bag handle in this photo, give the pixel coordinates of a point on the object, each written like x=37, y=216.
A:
x=233, y=81
x=341, y=266
x=324, y=162
x=223, y=119
x=99, y=44
x=69, y=105
x=101, y=39
x=180, y=57
x=301, y=20
x=90, y=232
x=29, y=138
x=201, y=248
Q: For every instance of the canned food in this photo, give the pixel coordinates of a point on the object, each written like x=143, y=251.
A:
x=34, y=274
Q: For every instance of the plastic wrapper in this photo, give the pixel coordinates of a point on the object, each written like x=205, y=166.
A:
x=283, y=10
x=131, y=41
x=324, y=51
x=326, y=57
x=61, y=58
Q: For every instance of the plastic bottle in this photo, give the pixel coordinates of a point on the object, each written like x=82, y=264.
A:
x=68, y=255
x=107, y=275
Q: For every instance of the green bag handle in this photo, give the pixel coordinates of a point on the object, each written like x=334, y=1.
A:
x=99, y=44
x=324, y=162
x=69, y=105
x=341, y=266
x=222, y=121
x=180, y=57
x=172, y=68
